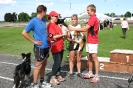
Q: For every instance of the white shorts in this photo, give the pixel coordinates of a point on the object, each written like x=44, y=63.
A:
x=92, y=48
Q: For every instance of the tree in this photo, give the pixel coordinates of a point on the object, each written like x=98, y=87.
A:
x=107, y=14
x=46, y=17
x=127, y=14
x=23, y=17
x=33, y=14
x=8, y=17
x=112, y=15
x=14, y=17
x=122, y=15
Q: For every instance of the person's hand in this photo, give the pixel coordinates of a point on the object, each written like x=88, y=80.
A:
x=74, y=41
x=70, y=28
x=52, y=41
x=38, y=42
x=64, y=34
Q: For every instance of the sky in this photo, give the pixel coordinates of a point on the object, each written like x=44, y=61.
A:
x=65, y=7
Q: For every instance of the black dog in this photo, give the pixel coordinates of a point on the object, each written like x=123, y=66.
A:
x=61, y=21
x=22, y=70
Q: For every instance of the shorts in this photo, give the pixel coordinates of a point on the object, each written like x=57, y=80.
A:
x=91, y=48
x=41, y=54
x=71, y=47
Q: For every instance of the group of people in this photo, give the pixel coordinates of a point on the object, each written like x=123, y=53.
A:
x=42, y=45
x=106, y=24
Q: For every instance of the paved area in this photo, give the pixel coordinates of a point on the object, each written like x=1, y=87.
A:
x=108, y=79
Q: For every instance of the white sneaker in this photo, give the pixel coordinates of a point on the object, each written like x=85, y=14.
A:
x=46, y=85
x=35, y=86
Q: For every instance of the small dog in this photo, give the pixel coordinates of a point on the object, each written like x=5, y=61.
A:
x=63, y=25
x=80, y=39
x=60, y=23
x=22, y=70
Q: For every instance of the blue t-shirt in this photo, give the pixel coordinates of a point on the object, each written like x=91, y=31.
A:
x=38, y=26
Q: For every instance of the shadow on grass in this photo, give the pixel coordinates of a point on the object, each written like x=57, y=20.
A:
x=122, y=37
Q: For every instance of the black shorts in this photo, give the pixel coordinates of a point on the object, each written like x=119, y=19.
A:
x=41, y=54
x=71, y=47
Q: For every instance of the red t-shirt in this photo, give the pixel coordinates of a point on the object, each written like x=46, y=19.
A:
x=58, y=45
x=93, y=31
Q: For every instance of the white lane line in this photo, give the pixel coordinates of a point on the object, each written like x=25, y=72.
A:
x=8, y=63
x=10, y=79
x=113, y=77
x=61, y=71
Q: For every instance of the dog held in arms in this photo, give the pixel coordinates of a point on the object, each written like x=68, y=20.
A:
x=22, y=70
x=79, y=37
x=60, y=22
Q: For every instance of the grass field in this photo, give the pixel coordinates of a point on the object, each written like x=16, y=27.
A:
x=12, y=42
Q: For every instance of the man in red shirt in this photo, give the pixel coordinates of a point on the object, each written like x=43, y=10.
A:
x=91, y=27
x=57, y=47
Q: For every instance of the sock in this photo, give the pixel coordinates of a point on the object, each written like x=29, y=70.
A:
x=96, y=75
x=41, y=80
x=90, y=72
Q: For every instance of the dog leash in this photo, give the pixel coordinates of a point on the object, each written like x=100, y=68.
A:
x=44, y=58
x=23, y=59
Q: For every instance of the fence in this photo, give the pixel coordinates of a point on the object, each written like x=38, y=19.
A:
x=11, y=24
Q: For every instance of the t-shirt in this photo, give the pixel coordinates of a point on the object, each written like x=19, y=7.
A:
x=38, y=26
x=72, y=32
x=93, y=31
x=124, y=24
x=58, y=45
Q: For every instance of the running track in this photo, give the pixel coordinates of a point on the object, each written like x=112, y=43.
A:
x=107, y=79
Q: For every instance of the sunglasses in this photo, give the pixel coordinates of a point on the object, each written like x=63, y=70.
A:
x=55, y=16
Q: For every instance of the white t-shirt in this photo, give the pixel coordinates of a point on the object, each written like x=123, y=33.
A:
x=72, y=32
x=124, y=24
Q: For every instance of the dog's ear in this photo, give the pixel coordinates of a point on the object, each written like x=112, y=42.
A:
x=28, y=54
x=23, y=55
x=64, y=19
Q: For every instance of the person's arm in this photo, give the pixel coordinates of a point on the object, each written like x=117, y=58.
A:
x=127, y=26
x=80, y=29
x=58, y=36
x=70, y=39
x=26, y=35
x=121, y=24
x=55, y=36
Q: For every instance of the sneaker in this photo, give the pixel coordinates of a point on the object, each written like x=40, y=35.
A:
x=60, y=79
x=54, y=81
x=46, y=85
x=35, y=86
x=95, y=79
x=80, y=75
x=88, y=75
x=71, y=76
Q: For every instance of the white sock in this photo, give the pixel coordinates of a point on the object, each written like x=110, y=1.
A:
x=96, y=75
x=90, y=72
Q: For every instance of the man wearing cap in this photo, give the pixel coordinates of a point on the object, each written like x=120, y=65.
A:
x=57, y=47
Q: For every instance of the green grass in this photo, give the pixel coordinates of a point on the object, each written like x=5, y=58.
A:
x=112, y=39
x=13, y=43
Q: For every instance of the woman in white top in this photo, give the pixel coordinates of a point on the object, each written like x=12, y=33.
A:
x=124, y=26
x=75, y=55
